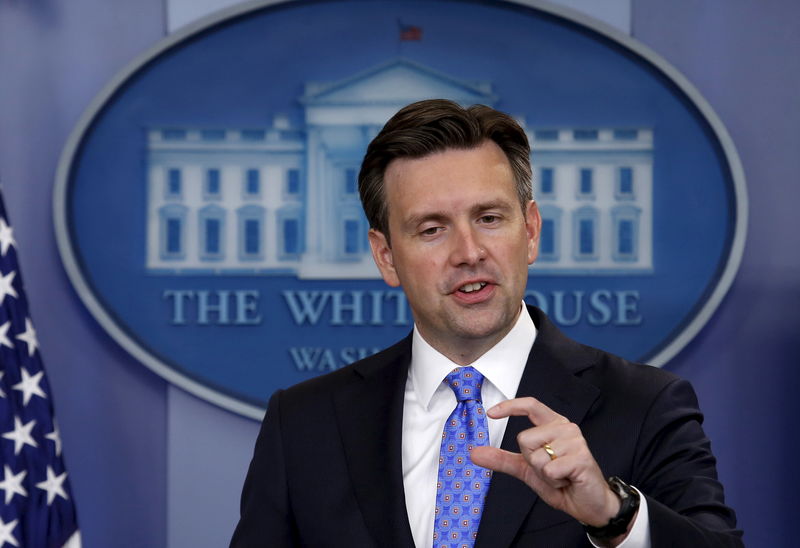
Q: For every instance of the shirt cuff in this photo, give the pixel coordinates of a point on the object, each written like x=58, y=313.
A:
x=639, y=536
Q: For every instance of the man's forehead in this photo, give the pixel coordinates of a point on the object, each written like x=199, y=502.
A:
x=421, y=188
x=488, y=151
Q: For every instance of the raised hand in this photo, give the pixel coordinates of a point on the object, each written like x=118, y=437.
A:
x=554, y=461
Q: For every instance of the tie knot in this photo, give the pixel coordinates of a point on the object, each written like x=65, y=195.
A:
x=466, y=383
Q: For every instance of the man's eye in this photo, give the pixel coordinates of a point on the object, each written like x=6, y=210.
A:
x=431, y=231
x=488, y=219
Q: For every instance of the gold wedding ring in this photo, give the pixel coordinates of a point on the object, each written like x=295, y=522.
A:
x=549, y=451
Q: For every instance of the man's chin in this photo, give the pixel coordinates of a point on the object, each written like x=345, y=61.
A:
x=485, y=329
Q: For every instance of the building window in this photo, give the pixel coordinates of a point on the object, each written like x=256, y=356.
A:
x=350, y=181
x=291, y=237
x=252, y=183
x=253, y=134
x=585, y=134
x=293, y=182
x=174, y=184
x=352, y=236
x=172, y=235
x=625, y=220
x=550, y=237
x=212, y=233
x=251, y=237
x=290, y=233
x=625, y=183
x=585, y=234
x=586, y=183
x=626, y=134
x=547, y=176
x=174, y=229
x=586, y=237
x=173, y=134
x=625, y=237
x=212, y=134
x=546, y=134
x=213, y=188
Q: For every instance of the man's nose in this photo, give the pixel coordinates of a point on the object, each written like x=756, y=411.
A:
x=467, y=247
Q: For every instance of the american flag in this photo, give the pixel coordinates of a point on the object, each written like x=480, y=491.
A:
x=36, y=505
x=409, y=33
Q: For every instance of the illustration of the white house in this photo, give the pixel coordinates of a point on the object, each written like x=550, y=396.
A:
x=284, y=199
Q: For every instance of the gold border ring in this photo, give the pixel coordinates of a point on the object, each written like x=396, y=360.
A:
x=549, y=451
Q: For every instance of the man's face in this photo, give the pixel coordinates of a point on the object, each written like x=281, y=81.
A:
x=460, y=246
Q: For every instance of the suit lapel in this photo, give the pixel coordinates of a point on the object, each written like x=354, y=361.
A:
x=549, y=376
x=370, y=418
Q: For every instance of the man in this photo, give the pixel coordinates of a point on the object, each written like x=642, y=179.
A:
x=396, y=450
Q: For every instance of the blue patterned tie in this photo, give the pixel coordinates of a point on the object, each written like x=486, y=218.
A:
x=462, y=486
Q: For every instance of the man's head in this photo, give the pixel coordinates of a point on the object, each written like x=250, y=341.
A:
x=452, y=187
x=435, y=125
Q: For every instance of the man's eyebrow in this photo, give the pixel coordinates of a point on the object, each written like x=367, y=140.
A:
x=417, y=219
x=424, y=217
x=501, y=205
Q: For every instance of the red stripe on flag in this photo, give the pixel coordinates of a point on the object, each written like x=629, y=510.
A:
x=410, y=33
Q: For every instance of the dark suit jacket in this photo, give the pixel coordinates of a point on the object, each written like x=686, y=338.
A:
x=327, y=467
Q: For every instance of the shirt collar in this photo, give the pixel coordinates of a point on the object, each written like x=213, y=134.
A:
x=502, y=364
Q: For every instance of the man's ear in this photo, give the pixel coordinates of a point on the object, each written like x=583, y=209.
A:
x=382, y=253
x=533, y=228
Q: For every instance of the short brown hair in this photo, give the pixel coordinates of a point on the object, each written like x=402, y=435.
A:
x=435, y=125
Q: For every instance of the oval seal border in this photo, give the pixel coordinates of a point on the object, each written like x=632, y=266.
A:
x=71, y=263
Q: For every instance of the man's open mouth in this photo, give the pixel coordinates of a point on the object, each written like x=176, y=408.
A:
x=469, y=288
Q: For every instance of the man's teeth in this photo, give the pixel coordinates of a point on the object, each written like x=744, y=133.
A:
x=469, y=288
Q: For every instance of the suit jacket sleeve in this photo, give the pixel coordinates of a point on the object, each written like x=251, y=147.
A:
x=266, y=518
x=675, y=469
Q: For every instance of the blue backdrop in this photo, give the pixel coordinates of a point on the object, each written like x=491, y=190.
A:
x=554, y=74
x=131, y=441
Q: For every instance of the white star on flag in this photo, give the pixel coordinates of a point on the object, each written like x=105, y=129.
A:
x=5, y=532
x=6, y=287
x=53, y=485
x=21, y=435
x=6, y=238
x=4, y=340
x=12, y=483
x=55, y=437
x=29, y=385
x=2, y=394
x=29, y=337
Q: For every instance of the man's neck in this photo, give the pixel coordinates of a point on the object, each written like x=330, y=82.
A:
x=469, y=351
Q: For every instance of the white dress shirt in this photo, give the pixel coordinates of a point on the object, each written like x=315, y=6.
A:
x=428, y=402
